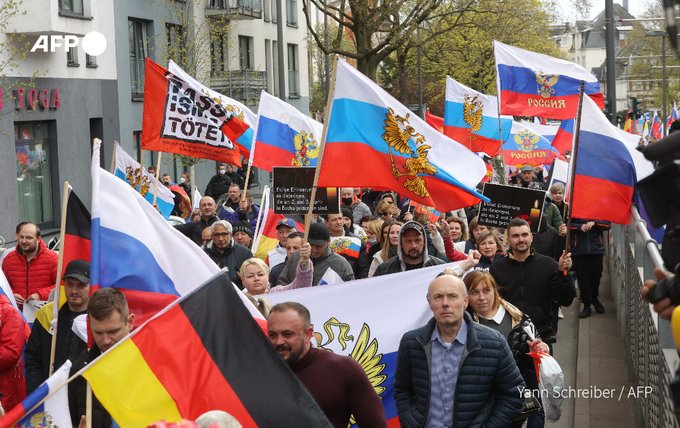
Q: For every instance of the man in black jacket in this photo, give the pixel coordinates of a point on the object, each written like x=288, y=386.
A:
x=69, y=344
x=110, y=321
x=454, y=369
x=531, y=281
x=225, y=252
x=219, y=183
x=192, y=230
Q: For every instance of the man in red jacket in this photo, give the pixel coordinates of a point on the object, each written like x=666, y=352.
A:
x=31, y=270
x=12, y=339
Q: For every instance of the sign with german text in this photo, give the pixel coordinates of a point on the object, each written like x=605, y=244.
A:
x=292, y=190
x=507, y=203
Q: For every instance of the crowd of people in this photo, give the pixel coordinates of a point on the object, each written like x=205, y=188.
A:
x=465, y=365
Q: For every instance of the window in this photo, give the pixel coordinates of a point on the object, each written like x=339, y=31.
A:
x=245, y=51
x=268, y=63
x=218, y=55
x=267, y=11
x=72, y=57
x=275, y=67
x=177, y=47
x=275, y=15
x=71, y=7
x=34, y=172
x=90, y=61
x=291, y=13
x=139, y=50
x=293, y=72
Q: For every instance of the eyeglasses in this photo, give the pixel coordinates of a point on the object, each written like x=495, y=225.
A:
x=221, y=234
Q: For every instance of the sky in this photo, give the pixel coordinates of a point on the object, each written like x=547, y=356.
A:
x=635, y=7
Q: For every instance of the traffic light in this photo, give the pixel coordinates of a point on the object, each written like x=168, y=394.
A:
x=635, y=106
x=606, y=110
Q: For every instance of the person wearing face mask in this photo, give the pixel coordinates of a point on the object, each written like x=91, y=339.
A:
x=185, y=183
x=218, y=184
x=349, y=200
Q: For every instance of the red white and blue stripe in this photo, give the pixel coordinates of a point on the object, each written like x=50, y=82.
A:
x=279, y=125
x=564, y=139
x=355, y=132
x=534, y=84
x=607, y=168
x=135, y=250
x=491, y=132
x=37, y=405
x=244, y=142
x=525, y=146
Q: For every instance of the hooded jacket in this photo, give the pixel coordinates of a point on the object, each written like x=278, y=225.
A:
x=37, y=276
x=396, y=263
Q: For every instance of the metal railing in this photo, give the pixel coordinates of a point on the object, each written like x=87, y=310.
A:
x=652, y=356
x=242, y=85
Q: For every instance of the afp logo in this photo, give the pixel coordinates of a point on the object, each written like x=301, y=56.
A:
x=94, y=43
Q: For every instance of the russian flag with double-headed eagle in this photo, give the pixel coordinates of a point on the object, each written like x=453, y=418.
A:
x=368, y=126
x=472, y=119
x=534, y=84
x=525, y=146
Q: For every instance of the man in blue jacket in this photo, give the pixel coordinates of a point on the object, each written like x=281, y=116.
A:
x=454, y=370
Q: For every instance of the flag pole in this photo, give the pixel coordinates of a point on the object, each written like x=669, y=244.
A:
x=158, y=173
x=113, y=157
x=572, y=173
x=260, y=215
x=60, y=265
x=88, y=405
x=329, y=103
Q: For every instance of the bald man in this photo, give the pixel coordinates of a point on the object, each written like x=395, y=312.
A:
x=193, y=229
x=433, y=388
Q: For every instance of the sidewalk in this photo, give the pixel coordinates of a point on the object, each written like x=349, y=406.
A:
x=592, y=355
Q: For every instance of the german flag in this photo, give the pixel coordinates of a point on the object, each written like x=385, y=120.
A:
x=202, y=352
x=76, y=243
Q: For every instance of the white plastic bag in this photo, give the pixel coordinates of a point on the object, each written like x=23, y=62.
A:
x=551, y=382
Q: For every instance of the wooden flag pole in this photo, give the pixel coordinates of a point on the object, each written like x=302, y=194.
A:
x=260, y=214
x=158, y=172
x=60, y=266
x=572, y=173
x=113, y=157
x=88, y=406
x=327, y=115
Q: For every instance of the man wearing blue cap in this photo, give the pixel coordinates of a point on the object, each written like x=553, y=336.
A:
x=277, y=255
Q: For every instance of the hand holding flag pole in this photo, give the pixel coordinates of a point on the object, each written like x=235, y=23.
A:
x=326, y=119
x=572, y=172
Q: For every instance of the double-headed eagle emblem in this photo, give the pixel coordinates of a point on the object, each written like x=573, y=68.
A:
x=472, y=114
x=137, y=179
x=545, y=84
x=365, y=351
x=526, y=140
x=39, y=419
x=401, y=137
x=306, y=149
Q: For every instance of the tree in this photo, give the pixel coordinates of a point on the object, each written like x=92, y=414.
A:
x=376, y=28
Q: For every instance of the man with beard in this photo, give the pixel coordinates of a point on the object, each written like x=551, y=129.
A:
x=531, y=281
x=31, y=270
x=338, y=383
x=412, y=253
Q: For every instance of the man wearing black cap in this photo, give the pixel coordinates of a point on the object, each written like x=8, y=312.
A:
x=327, y=265
x=243, y=234
x=69, y=344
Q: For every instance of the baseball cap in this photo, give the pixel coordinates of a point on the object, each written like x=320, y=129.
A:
x=318, y=234
x=286, y=222
x=527, y=168
x=78, y=269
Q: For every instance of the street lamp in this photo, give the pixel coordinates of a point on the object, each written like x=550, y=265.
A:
x=664, y=81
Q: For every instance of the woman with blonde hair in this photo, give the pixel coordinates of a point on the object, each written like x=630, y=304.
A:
x=390, y=243
x=488, y=308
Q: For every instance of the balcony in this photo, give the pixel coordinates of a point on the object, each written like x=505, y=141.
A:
x=234, y=9
x=241, y=85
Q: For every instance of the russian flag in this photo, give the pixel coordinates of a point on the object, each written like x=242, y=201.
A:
x=130, y=171
x=377, y=329
x=564, y=138
x=533, y=84
x=135, y=250
x=524, y=146
x=672, y=117
x=607, y=168
x=46, y=406
x=347, y=245
x=547, y=131
x=656, y=126
x=285, y=136
x=471, y=118
x=405, y=154
x=244, y=142
x=434, y=121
